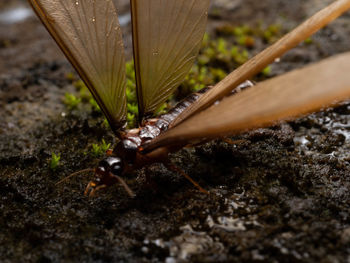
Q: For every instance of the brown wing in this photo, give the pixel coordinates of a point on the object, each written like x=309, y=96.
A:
x=89, y=34
x=291, y=94
x=167, y=35
x=259, y=62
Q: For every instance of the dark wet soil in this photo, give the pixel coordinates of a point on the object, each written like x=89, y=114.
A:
x=279, y=194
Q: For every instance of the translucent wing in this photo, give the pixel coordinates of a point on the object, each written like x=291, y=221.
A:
x=89, y=34
x=167, y=37
x=291, y=94
x=256, y=64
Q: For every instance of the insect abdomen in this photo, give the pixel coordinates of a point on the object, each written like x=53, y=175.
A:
x=153, y=127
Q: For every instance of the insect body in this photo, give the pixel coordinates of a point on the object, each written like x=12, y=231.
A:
x=167, y=35
x=128, y=155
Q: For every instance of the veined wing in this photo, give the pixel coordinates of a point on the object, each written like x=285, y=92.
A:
x=292, y=94
x=260, y=61
x=167, y=35
x=89, y=34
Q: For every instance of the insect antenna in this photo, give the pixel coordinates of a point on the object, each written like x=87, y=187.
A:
x=75, y=174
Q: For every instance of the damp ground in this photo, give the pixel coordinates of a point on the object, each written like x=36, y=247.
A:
x=279, y=194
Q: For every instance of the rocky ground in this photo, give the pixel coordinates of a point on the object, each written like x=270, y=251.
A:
x=280, y=194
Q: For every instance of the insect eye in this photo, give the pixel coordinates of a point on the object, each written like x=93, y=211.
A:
x=116, y=169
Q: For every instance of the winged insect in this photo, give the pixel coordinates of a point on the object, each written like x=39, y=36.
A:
x=166, y=38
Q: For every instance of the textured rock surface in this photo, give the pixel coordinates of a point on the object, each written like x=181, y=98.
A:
x=279, y=195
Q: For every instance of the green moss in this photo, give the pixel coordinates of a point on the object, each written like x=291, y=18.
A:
x=79, y=84
x=266, y=71
x=246, y=41
x=131, y=96
x=132, y=108
x=308, y=41
x=131, y=119
x=219, y=56
x=71, y=101
x=205, y=41
x=106, y=123
x=216, y=59
x=70, y=76
x=239, y=55
x=94, y=104
x=98, y=150
x=272, y=33
x=54, y=161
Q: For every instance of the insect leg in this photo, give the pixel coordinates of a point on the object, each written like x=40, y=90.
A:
x=126, y=187
x=94, y=190
x=176, y=169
